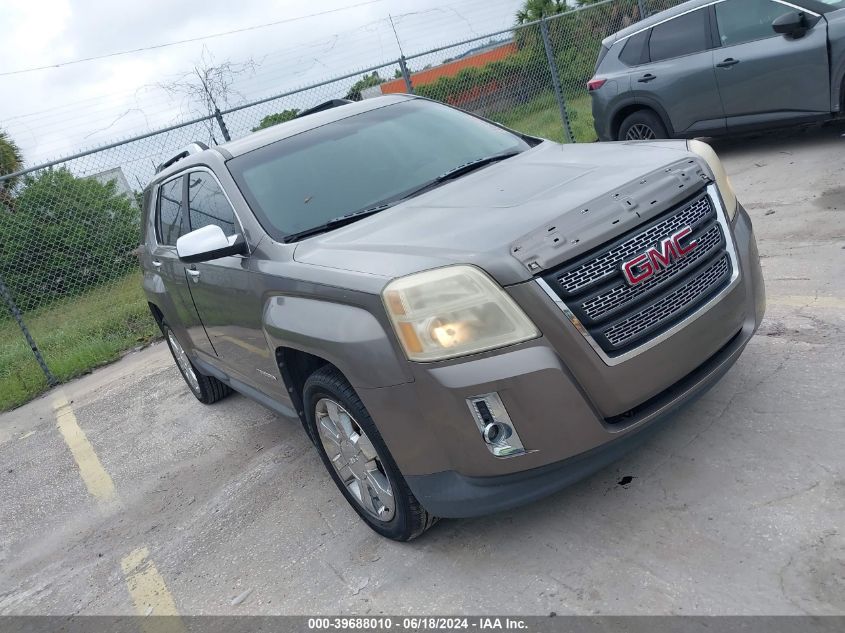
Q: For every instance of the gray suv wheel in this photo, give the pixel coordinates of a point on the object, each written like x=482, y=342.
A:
x=642, y=125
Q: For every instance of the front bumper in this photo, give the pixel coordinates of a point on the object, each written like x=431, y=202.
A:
x=573, y=412
x=450, y=494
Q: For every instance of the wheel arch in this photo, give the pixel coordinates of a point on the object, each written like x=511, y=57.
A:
x=158, y=315
x=295, y=367
x=628, y=108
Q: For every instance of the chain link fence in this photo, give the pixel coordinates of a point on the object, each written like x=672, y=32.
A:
x=69, y=229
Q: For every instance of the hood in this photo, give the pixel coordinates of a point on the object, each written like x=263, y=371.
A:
x=519, y=216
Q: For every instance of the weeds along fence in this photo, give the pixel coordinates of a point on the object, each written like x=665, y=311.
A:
x=69, y=228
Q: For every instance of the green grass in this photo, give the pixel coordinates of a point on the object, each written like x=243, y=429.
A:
x=74, y=336
x=541, y=117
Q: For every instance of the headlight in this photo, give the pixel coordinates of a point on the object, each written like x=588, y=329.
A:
x=722, y=181
x=453, y=311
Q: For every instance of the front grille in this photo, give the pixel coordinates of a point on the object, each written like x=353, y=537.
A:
x=619, y=316
x=645, y=319
x=607, y=263
x=606, y=303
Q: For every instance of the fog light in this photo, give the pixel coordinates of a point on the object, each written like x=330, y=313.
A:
x=495, y=425
x=494, y=433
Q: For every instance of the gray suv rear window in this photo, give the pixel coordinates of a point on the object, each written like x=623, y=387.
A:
x=679, y=36
x=635, y=51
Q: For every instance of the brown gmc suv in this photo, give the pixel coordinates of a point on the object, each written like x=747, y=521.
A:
x=463, y=318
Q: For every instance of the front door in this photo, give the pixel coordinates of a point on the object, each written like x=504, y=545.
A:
x=763, y=76
x=223, y=294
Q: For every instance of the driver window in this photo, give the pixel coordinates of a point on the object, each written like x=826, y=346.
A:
x=207, y=204
x=743, y=21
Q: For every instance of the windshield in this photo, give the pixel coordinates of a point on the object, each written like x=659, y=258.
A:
x=359, y=162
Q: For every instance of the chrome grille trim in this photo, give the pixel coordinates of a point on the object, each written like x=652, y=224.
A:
x=607, y=263
x=612, y=361
x=603, y=305
x=634, y=325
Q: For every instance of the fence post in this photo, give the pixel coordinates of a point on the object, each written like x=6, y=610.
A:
x=13, y=308
x=567, y=128
x=643, y=9
x=406, y=75
x=219, y=116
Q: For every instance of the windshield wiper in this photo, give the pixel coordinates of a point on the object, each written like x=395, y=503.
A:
x=458, y=171
x=343, y=220
x=472, y=165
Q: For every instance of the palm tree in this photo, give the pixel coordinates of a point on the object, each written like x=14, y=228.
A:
x=11, y=160
x=535, y=9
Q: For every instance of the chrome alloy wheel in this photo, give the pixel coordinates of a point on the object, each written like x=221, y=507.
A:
x=183, y=362
x=355, y=459
x=640, y=132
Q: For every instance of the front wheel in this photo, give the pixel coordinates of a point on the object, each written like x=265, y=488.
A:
x=357, y=459
x=207, y=389
x=642, y=125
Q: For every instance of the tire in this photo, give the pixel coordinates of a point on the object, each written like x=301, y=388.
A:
x=642, y=125
x=207, y=389
x=364, y=470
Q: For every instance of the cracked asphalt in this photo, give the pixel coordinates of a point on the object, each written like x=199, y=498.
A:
x=737, y=506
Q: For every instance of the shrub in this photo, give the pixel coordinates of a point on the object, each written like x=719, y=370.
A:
x=65, y=236
x=276, y=118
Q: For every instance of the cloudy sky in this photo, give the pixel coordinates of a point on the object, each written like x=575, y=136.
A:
x=54, y=112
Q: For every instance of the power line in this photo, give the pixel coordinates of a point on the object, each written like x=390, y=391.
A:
x=187, y=41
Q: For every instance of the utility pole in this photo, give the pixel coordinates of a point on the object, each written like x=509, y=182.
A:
x=212, y=105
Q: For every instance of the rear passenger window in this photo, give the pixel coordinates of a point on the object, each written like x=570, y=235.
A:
x=207, y=204
x=169, y=223
x=683, y=35
x=635, y=51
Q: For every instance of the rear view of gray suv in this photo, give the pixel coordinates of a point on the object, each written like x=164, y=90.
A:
x=706, y=68
x=462, y=318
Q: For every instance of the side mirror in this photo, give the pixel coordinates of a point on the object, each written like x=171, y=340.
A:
x=207, y=243
x=793, y=23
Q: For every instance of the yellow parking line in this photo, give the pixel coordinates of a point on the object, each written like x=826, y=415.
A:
x=808, y=301
x=146, y=586
x=149, y=592
x=96, y=479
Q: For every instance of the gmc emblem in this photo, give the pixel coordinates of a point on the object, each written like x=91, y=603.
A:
x=645, y=265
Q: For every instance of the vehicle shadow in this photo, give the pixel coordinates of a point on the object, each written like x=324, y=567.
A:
x=784, y=140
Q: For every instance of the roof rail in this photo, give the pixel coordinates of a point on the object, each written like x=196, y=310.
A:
x=326, y=105
x=193, y=148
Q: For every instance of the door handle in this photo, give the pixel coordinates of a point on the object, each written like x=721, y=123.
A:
x=646, y=78
x=194, y=273
x=730, y=61
x=156, y=263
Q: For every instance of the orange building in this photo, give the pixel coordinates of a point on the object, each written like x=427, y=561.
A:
x=450, y=69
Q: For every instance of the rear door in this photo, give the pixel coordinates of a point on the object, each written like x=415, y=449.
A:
x=764, y=76
x=226, y=300
x=680, y=74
